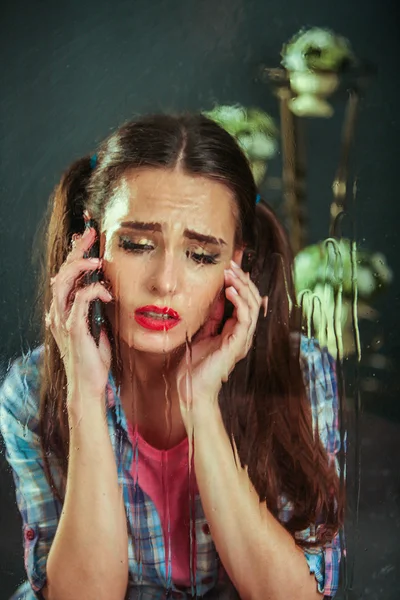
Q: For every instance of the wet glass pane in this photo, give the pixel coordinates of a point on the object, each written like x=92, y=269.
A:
x=230, y=406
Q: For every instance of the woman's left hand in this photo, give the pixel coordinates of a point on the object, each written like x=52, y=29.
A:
x=215, y=356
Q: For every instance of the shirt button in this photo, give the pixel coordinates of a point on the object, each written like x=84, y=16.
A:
x=29, y=534
x=206, y=529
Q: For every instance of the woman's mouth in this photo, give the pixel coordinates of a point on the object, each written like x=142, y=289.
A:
x=156, y=318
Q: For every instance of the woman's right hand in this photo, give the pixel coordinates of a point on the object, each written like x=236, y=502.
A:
x=86, y=365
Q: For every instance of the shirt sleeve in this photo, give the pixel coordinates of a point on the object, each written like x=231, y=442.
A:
x=319, y=373
x=40, y=510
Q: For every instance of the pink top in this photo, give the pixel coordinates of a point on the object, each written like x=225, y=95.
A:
x=164, y=476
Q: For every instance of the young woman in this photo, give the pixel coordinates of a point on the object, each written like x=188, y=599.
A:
x=193, y=452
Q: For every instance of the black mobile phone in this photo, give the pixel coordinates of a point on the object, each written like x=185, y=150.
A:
x=96, y=318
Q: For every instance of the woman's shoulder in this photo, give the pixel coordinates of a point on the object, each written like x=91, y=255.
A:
x=20, y=388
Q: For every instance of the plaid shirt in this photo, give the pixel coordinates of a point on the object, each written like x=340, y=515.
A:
x=40, y=511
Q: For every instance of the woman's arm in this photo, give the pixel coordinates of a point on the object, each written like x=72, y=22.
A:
x=88, y=559
x=259, y=555
x=69, y=550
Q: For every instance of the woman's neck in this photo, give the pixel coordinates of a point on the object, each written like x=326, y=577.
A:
x=149, y=396
x=148, y=367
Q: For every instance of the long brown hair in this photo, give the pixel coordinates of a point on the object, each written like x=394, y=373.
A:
x=264, y=404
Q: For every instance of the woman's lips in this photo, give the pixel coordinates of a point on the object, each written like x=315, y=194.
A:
x=156, y=318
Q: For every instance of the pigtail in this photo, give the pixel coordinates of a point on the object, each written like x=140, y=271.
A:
x=270, y=419
x=65, y=217
x=68, y=202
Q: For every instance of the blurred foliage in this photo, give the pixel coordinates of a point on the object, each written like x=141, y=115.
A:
x=314, y=58
x=254, y=130
x=317, y=49
x=335, y=282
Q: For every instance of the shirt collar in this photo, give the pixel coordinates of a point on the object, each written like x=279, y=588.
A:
x=113, y=401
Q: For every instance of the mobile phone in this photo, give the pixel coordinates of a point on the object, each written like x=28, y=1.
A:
x=95, y=316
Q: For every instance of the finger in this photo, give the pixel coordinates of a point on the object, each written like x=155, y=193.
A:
x=53, y=323
x=104, y=346
x=241, y=284
x=47, y=320
x=255, y=292
x=245, y=278
x=66, y=280
x=236, y=334
x=80, y=308
x=74, y=239
x=264, y=304
x=249, y=294
x=81, y=243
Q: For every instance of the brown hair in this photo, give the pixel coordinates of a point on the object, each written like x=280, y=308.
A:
x=264, y=404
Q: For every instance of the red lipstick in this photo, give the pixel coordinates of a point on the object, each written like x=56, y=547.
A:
x=157, y=318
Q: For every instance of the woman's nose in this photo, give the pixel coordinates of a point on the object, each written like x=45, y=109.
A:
x=163, y=274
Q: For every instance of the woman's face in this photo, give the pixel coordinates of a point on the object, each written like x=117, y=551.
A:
x=166, y=239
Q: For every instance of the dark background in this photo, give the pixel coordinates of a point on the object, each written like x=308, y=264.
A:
x=72, y=72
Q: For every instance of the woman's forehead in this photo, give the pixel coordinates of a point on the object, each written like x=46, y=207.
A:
x=173, y=199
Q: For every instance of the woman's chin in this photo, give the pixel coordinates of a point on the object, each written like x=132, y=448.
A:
x=155, y=342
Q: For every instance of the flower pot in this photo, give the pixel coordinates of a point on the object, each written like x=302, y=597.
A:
x=312, y=89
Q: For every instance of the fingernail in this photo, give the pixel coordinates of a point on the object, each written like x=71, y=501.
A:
x=234, y=290
x=230, y=272
x=234, y=265
x=94, y=260
x=264, y=304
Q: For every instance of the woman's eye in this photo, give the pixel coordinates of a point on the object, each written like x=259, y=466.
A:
x=202, y=258
x=140, y=246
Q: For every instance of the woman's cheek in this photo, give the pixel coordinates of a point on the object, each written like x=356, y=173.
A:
x=213, y=306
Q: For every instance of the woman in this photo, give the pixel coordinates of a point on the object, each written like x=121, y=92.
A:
x=198, y=372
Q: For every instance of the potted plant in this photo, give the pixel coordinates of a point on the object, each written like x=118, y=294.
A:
x=255, y=132
x=314, y=59
x=324, y=282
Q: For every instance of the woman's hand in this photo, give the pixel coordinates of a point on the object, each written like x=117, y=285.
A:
x=86, y=365
x=215, y=356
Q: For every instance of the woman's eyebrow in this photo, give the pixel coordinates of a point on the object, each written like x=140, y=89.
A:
x=201, y=237
x=140, y=226
x=188, y=233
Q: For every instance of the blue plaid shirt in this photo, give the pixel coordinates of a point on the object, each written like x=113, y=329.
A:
x=40, y=511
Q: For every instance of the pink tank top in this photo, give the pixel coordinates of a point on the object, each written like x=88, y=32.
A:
x=164, y=476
